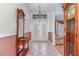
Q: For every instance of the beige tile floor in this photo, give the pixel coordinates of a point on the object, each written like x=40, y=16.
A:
x=42, y=48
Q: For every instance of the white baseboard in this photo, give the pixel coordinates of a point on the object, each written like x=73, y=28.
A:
x=6, y=35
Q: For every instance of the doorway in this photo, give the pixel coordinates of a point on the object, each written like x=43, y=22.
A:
x=59, y=35
x=39, y=31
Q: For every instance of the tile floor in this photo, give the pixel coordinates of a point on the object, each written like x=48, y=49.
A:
x=42, y=48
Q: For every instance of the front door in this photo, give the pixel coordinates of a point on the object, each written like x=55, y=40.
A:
x=43, y=31
x=39, y=31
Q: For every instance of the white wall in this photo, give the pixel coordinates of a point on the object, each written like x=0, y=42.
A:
x=8, y=18
x=52, y=25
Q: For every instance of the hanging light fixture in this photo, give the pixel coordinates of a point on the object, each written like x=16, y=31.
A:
x=39, y=9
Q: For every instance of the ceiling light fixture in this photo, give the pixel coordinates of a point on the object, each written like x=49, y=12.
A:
x=39, y=9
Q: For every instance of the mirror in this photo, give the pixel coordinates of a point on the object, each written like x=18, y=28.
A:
x=20, y=23
x=20, y=27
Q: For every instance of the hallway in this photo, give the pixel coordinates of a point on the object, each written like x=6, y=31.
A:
x=30, y=26
x=39, y=29
x=42, y=48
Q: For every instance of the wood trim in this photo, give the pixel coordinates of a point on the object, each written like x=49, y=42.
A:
x=76, y=26
x=27, y=35
x=65, y=14
x=16, y=33
x=76, y=30
x=50, y=36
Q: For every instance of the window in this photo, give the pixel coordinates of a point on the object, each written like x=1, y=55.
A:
x=39, y=16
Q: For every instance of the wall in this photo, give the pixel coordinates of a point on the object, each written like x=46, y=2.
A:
x=8, y=46
x=52, y=26
x=8, y=27
x=8, y=18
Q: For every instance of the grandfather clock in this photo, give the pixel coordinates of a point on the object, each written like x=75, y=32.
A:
x=20, y=40
x=71, y=29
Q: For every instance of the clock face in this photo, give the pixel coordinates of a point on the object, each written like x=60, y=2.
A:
x=71, y=10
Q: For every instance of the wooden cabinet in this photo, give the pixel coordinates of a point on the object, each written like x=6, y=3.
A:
x=71, y=29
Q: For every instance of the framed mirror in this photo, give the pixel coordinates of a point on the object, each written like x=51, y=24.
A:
x=20, y=42
x=20, y=27
x=20, y=23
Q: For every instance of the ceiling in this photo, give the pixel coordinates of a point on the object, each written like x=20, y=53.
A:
x=47, y=7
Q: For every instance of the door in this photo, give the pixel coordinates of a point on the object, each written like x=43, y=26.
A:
x=39, y=31
x=43, y=31
x=35, y=31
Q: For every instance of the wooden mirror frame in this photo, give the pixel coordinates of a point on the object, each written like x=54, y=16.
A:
x=20, y=13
